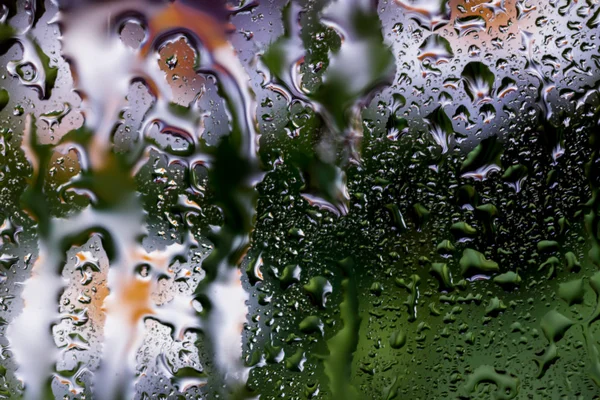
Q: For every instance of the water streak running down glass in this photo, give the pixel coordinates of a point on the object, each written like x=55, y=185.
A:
x=300, y=199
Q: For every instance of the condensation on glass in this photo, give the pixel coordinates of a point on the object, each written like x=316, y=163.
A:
x=304, y=199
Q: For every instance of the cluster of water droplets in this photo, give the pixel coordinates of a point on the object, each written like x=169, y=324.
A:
x=303, y=199
x=121, y=280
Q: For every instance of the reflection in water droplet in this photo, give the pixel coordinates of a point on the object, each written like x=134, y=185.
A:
x=429, y=14
x=478, y=82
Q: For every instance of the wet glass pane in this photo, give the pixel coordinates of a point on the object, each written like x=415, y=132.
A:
x=299, y=199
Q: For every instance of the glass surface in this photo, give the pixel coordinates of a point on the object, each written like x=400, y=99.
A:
x=301, y=199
